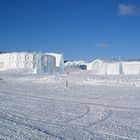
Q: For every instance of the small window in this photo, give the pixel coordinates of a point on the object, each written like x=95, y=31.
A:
x=1, y=65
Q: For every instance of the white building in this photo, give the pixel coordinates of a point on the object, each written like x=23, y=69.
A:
x=49, y=63
x=131, y=67
x=101, y=67
x=114, y=68
x=59, y=61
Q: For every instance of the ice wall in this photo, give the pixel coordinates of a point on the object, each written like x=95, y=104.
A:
x=4, y=61
x=132, y=67
x=51, y=64
x=39, y=62
x=59, y=62
x=101, y=67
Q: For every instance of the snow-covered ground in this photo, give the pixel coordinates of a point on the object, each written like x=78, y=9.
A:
x=91, y=107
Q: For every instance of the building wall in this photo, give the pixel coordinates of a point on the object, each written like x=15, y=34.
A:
x=22, y=60
x=114, y=68
x=4, y=61
x=29, y=61
x=131, y=67
x=59, y=62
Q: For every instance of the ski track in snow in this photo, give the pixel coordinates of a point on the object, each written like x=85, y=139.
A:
x=91, y=108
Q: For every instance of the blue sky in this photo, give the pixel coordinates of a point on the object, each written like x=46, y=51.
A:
x=81, y=29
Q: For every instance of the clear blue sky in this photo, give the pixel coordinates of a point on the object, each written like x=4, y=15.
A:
x=81, y=29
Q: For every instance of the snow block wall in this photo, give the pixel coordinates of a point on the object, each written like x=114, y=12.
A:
x=59, y=59
x=98, y=67
x=132, y=67
x=38, y=69
x=51, y=64
x=112, y=68
x=75, y=65
x=17, y=60
x=115, y=68
x=4, y=61
x=38, y=62
x=101, y=67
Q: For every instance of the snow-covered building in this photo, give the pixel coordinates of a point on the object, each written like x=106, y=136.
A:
x=17, y=60
x=131, y=67
x=44, y=62
x=59, y=61
x=74, y=65
x=102, y=67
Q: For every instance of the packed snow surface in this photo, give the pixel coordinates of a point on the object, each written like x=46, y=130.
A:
x=88, y=107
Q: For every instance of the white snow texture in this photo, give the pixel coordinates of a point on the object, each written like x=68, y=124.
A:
x=89, y=107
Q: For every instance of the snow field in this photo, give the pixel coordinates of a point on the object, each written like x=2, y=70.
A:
x=90, y=108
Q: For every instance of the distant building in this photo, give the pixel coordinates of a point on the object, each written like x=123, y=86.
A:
x=102, y=67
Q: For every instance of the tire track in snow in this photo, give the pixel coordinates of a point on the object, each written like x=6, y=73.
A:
x=107, y=114
x=112, y=136
x=79, y=101
x=76, y=100
x=3, y=136
x=102, y=134
x=33, y=127
x=80, y=116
